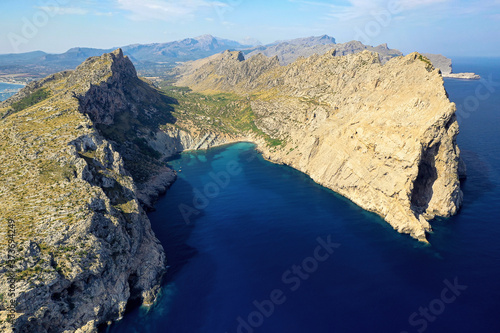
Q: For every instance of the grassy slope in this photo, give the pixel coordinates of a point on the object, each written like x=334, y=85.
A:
x=219, y=112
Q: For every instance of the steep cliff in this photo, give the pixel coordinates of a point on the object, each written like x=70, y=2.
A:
x=81, y=154
x=381, y=135
x=444, y=64
x=439, y=61
x=75, y=243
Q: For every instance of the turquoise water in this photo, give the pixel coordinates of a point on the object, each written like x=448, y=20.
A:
x=258, y=247
x=8, y=89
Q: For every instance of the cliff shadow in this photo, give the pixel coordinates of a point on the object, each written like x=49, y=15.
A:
x=173, y=232
x=427, y=175
x=173, y=221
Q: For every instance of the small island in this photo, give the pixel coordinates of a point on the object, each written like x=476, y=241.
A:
x=462, y=76
x=445, y=66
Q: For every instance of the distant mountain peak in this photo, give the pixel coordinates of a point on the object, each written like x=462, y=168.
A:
x=206, y=37
x=249, y=41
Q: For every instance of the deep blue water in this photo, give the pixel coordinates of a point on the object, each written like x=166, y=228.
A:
x=6, y=90
x=241, y=244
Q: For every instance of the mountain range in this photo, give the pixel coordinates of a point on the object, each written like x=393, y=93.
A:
x=42, y=63
x=157, y=58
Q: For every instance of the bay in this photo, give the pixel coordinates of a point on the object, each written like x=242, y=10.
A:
x=240, y=231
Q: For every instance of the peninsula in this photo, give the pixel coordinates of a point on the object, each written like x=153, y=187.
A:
x=82, y=159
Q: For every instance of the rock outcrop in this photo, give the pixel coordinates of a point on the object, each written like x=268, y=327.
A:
x=81, y=157
x=75, y=243
x=289, y=51
x=440, y=62
x=444, y=64
x=463, y=76
x=383, y=136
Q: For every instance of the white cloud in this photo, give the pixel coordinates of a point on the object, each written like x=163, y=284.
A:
x=166, y=9
x=72, y=11
x=103, y=13
x=65, y=10
x=356, y=9
x=410, y=4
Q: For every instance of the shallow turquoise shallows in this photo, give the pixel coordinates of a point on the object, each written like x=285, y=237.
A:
x=258, y=247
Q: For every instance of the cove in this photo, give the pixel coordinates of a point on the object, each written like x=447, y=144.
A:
x=264, y=249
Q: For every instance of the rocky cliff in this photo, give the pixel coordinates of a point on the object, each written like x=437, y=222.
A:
x=383, y=136
x=81, y=155
x=439, y=61
x=75, y=243
x=444, y=64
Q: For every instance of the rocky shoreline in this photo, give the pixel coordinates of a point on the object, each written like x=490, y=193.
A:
x=90, y=143
x=364, y=134
x=84, y=245
x=462, y=76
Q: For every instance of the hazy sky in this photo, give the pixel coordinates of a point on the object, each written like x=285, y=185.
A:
x=450, y=27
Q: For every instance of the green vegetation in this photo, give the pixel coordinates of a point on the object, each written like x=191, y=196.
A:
x=424, y=59
x=52, y=171
x=128, y=207
x=312, y=101
x=144, y=148
x=274, y=142
x=29, y=272
x=35, y=98
x=67, y=248
x=127, y=131
x=121, y=129
x=221, y=112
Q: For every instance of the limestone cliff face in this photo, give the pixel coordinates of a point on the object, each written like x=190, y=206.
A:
x=81, y=153
x=81, y=246
x=383, y=136
x=172, y=140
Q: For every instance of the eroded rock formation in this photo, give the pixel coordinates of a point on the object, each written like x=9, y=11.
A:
x=383, y=136
x=81, y=154
x=81, y=246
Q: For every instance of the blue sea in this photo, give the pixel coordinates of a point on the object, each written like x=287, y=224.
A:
x=258, y=247
x=8, y=89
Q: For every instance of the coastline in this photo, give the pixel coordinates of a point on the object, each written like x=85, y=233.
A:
x=8, y=89
x=18, y=83
x=462, y=76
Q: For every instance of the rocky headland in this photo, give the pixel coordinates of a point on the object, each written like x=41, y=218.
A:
x=445, y=65
x=76, y=246
x=82, y=157
x=463, y=76
x=383, y=136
